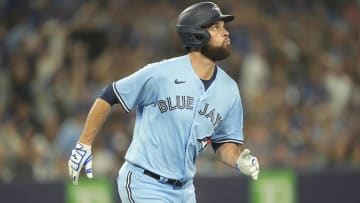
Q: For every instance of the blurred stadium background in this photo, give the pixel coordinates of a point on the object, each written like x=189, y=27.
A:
x=297, y=63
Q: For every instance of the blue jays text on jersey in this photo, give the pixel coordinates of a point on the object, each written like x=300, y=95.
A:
x=186, y=102
x=176, y=118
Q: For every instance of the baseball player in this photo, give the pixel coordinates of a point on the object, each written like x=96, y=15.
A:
x=182, y=105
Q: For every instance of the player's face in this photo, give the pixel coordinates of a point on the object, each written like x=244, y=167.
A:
x=218, y=47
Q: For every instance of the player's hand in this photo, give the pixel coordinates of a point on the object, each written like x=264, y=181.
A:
x=80, y=157
x=248, y=164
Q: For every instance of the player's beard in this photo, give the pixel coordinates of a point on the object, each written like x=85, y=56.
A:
x=216, y=53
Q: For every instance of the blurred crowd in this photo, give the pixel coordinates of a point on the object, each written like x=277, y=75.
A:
x=297, y=64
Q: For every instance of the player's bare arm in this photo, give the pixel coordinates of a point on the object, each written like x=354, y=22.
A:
x=229, y=153
x=95, y=119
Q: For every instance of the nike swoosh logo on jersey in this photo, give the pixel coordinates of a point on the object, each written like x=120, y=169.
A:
x=179, y=82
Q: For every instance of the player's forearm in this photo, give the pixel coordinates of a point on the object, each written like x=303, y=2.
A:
x=229, y=153
x=95, y=119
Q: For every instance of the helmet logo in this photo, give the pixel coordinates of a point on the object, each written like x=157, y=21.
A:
x=216, y=8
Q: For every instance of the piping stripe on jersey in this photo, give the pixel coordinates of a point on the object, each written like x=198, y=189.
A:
x=128, y=182
x=120, y=99
x=228, y=140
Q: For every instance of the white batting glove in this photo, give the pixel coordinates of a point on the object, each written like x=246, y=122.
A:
x=80, y=156
x=248, y=164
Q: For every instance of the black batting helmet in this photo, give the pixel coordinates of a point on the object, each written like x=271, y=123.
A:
x=192, y=23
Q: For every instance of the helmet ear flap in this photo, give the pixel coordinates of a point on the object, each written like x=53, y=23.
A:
x=193, y=37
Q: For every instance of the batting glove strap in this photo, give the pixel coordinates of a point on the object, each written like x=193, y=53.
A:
x=248, y=164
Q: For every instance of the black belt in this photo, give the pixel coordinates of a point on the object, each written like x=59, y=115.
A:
x=169, y=181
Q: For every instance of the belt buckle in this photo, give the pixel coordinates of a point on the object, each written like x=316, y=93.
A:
x=177, y=183
x=163, y=179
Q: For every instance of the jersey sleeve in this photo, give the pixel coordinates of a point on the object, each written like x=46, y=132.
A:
x=231, y=128
x=136, y=89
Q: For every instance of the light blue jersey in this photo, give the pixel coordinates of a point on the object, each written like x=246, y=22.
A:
x=176, y=118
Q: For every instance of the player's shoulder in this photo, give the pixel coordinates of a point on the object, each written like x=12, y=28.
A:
x=167, y=66
x=229, y=87
x=179, y=60
x=225, y=78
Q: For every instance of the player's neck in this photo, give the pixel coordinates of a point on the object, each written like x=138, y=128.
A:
x=203, y=66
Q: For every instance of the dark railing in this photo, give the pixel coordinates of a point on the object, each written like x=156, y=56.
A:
x=278, y=186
